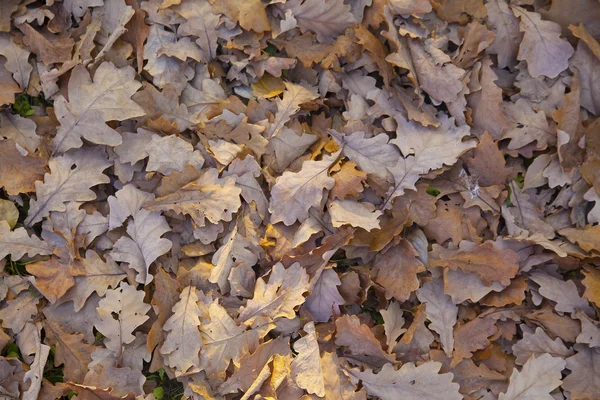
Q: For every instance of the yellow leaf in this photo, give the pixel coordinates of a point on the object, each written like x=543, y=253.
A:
x=9, y=212
x=268, y=86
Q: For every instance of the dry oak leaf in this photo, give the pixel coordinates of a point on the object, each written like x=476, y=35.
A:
x=471, y=337
x=168, y=154
x=489, y=264
x=16, y=60
x=582, y=383
x=8, y=86
x=475, y=39
x=505, y=26
x=537, y=379
x=18, y=173
x=378, y=52
x=354, y=213
x=202, y=23
x=393, y=324
x=349, y=181
x=98, y=275
x=425, y=149
x=538, y=343
x=20, y=130
x=374, y=155
x=294, y=193
x=54, y=277
x=71, y=351
x=488, y=163
x=106, y=381
x=164, y=69
x=326, y=18
x=121, y=311
x=337, y=383
x=441, y=80
x=543, y=49
x=241, y=132
x=587, y=238
x=91, y=103
x=166, y=294
x=183, y=342
x=361, y=342
x=293, y=97
x=409, y=382
x=486, y=104
x=115, y=15
x=237, y=251
x=527, y=125
x=70, y=179
x=19, y=311
x=586, y=62
x=470, y=376
x=48, y=47
x=35, y=375
x=18, y=243
x=144, y=244
x=206, y=198
x=325, y=299
x=164, y=106
x=514, y=293
x=306, y=369
x=254, y=365
x=278, y=297
x=563, y=293
x=396, y=270
x=440, y=311
x=225, y=341
x=9, y=213
x=288, y=146
x=251, y=14
x=562, y=326
x=591, y=283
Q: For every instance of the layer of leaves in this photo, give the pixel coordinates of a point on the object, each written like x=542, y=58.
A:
x=294, y=199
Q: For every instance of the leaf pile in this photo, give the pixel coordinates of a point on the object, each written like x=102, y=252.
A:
x=301, y=199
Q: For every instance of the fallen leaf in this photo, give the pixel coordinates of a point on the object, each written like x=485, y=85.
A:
x=408, y=382
x=543, y=49
x=537, y=379
x=19, y=173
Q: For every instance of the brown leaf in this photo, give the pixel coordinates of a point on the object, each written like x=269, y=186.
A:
x=396, y=270
x=49, y=48
x=250, y=14
x=489, y=264
x=361, y=342
x=54, y=277
x=471, y=337
x=488, y=163
x=18, y=173
x=513, y=294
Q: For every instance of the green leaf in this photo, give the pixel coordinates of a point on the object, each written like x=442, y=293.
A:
x=158, y=393
x=432, y=191
x=12, y=351
x=22, y=106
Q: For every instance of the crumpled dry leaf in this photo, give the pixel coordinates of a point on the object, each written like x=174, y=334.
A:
x=408, y=382
x=543, y=49
x=278, y=297
x=295, y=193
x=327, y=18
x=128, y=305
x=18, y=173
x=182, y=342
x=144, y=244
x=537, y=379
x=440, y=311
